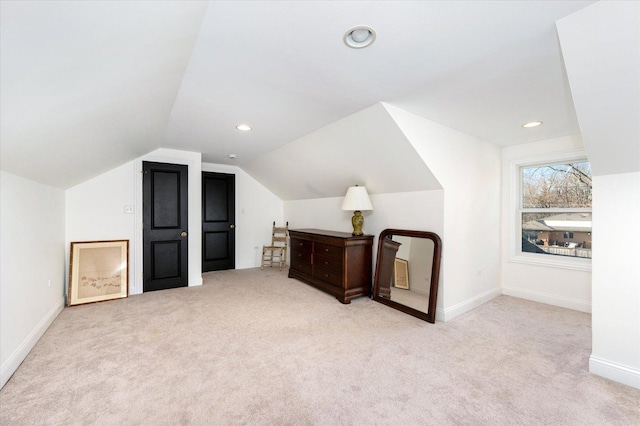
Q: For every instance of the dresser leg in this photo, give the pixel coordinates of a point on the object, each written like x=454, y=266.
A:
x=344, y=301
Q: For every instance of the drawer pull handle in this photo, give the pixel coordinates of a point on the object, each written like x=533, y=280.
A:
x=326, y=275
x=327, y=250
x=326, y=263
x=299, y=255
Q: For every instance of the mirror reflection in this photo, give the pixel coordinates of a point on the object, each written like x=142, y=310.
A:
x=409, y=284
x=407, y=271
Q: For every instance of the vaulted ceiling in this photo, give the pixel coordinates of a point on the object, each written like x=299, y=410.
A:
x=87, y=86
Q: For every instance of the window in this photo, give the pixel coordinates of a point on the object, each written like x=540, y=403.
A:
x=554, y=210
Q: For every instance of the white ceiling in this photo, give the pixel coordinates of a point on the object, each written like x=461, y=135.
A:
x=87, y=86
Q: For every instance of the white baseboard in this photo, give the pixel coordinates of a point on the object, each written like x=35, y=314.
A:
x=549, y=299
x=450, y=313
x=13, y=362
x=616, y=372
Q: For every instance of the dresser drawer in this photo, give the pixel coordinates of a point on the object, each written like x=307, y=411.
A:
x=327, y=250
x=331, y=263
x=298, y=256
x=301, y=261
x=331, y=277
x=301, y=245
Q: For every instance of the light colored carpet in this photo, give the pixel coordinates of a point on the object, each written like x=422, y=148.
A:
x=255, y=347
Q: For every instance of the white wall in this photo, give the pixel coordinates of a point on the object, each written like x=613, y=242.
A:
x=469, y=171
x=616, y=278
x=560, y=286
x=32, y=272
x=256, y=210
x=421, y=211
x=95, y=211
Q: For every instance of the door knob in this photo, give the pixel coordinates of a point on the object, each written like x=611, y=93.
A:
x=232, y=226
x=184, y=234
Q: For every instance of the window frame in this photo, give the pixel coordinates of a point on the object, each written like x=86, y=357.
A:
x=515, y=217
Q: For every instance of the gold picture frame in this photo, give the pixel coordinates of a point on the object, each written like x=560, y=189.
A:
x=98, y=271
x=401, y=274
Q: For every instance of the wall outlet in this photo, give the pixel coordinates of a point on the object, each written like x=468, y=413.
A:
x=49, y=283
x=128, y=209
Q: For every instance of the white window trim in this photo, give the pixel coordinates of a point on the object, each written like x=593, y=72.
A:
x=515, y=223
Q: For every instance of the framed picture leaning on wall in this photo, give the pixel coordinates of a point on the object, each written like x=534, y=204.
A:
x=98, y=271
x=401, y=274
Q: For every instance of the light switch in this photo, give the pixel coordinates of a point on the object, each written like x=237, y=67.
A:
x=128, y=209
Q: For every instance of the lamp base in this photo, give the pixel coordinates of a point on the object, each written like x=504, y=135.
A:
x=357, y=221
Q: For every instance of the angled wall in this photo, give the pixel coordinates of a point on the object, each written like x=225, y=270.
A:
x=469, y=171
x=601, y=49
x=93, y=84
x=364, y=148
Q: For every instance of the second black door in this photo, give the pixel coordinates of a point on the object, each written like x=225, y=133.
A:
x=218, y=221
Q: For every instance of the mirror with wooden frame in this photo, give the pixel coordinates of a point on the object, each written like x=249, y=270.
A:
x=408, y=271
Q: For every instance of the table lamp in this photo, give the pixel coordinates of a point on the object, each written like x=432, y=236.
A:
x=357, y=200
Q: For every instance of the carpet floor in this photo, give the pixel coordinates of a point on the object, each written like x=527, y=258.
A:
x=255, y=347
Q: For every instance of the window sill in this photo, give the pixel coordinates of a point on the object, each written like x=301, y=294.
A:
x=563, y=263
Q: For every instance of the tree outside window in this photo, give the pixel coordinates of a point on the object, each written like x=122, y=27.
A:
x=555, y=209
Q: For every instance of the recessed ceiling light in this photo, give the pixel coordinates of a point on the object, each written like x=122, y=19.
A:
x=532, y=124
x=359, y=37
x=243, y=127
x=233, y=156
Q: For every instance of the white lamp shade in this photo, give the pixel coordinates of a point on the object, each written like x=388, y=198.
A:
x=357, y=199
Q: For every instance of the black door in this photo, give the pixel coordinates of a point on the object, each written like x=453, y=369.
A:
x=165, y=219
x=218, y=221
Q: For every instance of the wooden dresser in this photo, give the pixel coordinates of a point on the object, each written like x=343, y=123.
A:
x=336, y=262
